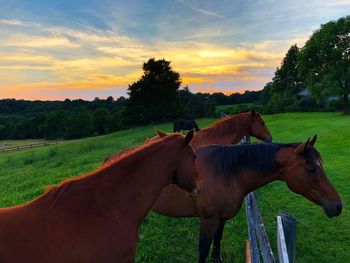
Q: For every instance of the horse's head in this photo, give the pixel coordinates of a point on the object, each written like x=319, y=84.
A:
x=303, y=172
x=185, y=175
x=258, y=128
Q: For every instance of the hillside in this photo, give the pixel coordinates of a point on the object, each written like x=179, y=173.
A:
x=24, y=175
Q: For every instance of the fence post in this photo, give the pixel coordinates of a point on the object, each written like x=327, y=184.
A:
x=281, y=243
x=286, y=230
x=253, y=243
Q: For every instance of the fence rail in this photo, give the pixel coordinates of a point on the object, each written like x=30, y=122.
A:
x=257, y=232
x=28, y=146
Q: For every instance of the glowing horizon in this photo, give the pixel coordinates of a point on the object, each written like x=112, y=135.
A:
x=84, y=50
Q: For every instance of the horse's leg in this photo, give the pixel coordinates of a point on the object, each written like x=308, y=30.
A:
x=215, y=254
x=208, y=227
x=196, y=127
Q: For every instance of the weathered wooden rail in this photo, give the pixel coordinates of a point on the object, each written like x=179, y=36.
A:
x=28, y=146
x=259, y=248
x=257, y=233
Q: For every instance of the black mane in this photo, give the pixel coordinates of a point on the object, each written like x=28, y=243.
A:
x=230, y=160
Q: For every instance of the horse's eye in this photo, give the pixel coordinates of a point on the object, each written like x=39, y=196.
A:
x=194, y=156
x=311, y=170
x=263, y=123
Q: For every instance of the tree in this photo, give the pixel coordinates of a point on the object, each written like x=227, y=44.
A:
x=287, y=82
x=154, y=97
x=276, y=103
x=325, y=61
x=56, y=125
x=81, y=123
x=195, y=105
x=287, y=79
x=101, y=120
x=266, y=93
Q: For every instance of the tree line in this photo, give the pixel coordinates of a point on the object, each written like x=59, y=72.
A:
x=71, y=119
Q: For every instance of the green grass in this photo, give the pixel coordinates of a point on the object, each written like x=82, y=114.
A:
x=24, y=175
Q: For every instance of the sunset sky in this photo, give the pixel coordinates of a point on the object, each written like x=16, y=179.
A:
x=57, y=49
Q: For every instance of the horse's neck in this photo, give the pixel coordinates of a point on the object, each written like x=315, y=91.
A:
x=138, y=182
x=227, y=132
x=128, y=187
x=254, y=180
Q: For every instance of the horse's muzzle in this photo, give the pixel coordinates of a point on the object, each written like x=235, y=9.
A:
x=332, y=209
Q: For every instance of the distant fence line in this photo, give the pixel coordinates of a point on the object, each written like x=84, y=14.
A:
x=28, y=146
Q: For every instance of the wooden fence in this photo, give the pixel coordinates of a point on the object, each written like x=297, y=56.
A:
x=258, y=245
x=28, y=146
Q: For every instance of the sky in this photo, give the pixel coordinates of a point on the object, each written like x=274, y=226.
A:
x=52, y=50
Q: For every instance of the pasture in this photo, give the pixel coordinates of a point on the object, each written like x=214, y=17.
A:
x=24, y=175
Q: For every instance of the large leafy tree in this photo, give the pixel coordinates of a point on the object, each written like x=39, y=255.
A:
x=287, y=78
x=325, y=61
x=282, y=93
x=154, y=97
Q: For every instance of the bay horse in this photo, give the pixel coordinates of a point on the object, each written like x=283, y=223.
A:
x=185, y=124
x=228, y=173
x=95, y=217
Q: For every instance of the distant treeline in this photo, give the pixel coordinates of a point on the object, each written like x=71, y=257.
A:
x=69, y=119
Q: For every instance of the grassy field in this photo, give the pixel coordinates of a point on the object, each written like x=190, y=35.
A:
x=24, y=175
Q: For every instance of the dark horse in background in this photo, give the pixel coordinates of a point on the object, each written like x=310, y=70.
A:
x=185, y=124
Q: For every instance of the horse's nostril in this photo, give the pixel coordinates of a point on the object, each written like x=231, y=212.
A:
x=339, y=207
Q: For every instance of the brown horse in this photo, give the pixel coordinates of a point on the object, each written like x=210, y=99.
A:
x=229, y=130
x=95, y=217
x=229, y=173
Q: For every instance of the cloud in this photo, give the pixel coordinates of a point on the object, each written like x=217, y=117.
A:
x=102, y=47
x=206, y=12
x=30, y=41
x=101, y=59
x=12, y=22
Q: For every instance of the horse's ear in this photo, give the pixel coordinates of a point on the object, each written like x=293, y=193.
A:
x=302, y=147
x=188, y=137
x=160, y=133
x=313, y=140
x=252, y=112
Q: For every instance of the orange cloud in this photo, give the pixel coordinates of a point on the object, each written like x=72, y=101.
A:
x=96, y=59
